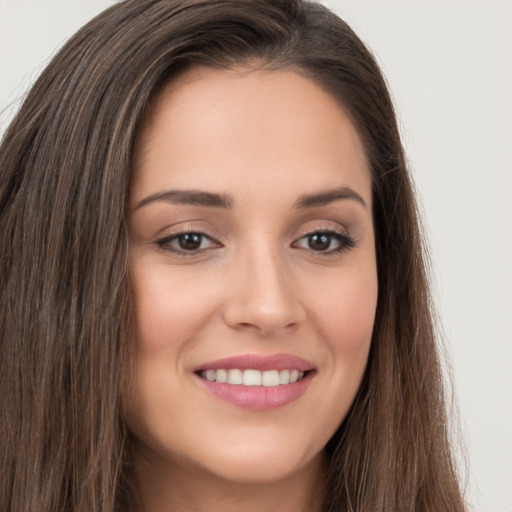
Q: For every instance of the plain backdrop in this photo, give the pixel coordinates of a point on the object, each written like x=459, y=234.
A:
x=449, y=66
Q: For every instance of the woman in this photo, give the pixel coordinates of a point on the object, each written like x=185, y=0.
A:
x=213, y=288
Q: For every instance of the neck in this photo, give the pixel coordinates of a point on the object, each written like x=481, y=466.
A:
x=163, y=487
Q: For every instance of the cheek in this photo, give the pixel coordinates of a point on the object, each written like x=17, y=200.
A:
x=342, y=313
x=170, y=306
x=344, y=318
x=345, y=313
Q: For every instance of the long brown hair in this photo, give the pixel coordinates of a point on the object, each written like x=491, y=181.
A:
x=65, y=298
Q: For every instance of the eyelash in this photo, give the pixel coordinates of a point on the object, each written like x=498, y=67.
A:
x=345, y=242
x=163, y=243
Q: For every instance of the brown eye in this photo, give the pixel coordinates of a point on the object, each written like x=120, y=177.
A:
x=327, y=242
x=187, y=243
x=319, y=241
x=190, y=241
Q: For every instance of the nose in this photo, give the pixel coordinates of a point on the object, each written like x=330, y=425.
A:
x=262, y=295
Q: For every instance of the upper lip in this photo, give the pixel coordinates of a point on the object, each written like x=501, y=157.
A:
x=259, y=362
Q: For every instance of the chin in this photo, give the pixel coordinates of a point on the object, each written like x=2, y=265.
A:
x=262, y=463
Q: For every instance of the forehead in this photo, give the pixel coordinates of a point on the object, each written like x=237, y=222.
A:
x=208, y=126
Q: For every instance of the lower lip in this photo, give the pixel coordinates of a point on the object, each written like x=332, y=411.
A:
x=258, y=398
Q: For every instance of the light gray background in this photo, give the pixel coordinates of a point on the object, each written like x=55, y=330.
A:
x=449, y=65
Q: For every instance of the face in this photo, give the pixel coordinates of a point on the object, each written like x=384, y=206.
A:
x=254, y=273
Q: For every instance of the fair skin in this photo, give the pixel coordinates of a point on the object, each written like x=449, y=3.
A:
x=267, y=259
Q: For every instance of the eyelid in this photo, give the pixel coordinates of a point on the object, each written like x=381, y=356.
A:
x=323, y=228
x=167, y=239
x=347, y=242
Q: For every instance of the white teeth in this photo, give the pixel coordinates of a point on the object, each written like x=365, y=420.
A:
x=235, y=377
x=252, y=378
x=284, y=377
x=222, y=376
x=269, y=378
x=210, y=375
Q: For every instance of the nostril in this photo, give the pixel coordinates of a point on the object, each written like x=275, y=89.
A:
x=252, y=311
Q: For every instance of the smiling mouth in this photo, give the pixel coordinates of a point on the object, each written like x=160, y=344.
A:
x=252, y=377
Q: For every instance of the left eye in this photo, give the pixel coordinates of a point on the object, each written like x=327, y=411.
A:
x=189, y=242
x=325, y=241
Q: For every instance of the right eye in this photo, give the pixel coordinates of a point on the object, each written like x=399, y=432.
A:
x=325, y=242
x=187, y=243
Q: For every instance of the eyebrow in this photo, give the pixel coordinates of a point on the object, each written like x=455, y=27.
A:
x=324, y=198
x=189, y=197
x=213, y=200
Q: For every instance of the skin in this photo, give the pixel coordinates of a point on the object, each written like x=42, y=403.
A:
x=257, y=285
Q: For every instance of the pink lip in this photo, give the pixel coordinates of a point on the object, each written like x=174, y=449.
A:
x=260, y=362
x=258, y=398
